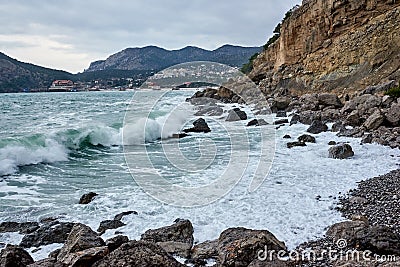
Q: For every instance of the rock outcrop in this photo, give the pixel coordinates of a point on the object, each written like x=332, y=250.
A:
x=333, y=45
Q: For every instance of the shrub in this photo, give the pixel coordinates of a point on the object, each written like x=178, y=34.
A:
x=395, y=92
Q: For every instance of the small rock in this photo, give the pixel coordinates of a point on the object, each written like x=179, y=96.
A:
x=317, y=127
x=280, y=122
x=257, y=122
x=109, y=224
x=341, y=151
x=179, y=135
x=281, y=114
x=293, y=144
x=306, y=138
x=87, y=198
x=338, y=126
x=287, y=137
x=200, y=126
x=332, y=143
x=295, y=119
x=119, y=216
x=236, y=115
x=14, y=256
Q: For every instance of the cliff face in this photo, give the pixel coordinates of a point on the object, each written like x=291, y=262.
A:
x=341, y=46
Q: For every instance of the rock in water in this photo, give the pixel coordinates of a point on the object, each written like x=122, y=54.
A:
x=175, y=239
x=22, y=228
x=281, y=114
x=138, y=253
x=200, y=126
x=14, y=256
x=341, y=151
x=87, y=198
x=257, y=122
x=109, y=224
x=306, y=138
x=317, y=127
x=297, y=143
x=236, y=115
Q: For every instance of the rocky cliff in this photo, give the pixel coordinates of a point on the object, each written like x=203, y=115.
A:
x=341, y=46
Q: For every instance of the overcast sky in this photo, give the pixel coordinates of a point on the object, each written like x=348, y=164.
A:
x=69, y=34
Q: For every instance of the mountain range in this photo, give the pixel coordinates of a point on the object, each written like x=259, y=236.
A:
x=156, y=58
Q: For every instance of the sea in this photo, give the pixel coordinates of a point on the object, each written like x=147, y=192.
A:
x=55, y=147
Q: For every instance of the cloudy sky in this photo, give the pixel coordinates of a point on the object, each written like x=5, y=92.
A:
x=69, y=34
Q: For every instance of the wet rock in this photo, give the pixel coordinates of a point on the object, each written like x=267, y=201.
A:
x=240, y=246
x=295, y=119
x=281, y=114
x=329, y=100
x=332, y=143
x=175, y=239
x=236, y=115
x=287, y=136
x=317, y=127
x=119, y=216
x=393, y=115
x=280, y=122
x=308, y=116
x=257, y=122
x=83, y=245
x=138, y=253
x=200, y=126
x=293, y=144
x=355, y=132
x=116, y=242
x=87, y=198
x=306, y=138
x=374, y=121
x=205, y=250
x=341, y=151
x=180, y=135
x=109, y=224
x=54, y=232
x=22, y=228
x=14, y=256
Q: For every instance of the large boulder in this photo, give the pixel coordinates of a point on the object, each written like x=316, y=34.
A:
x=175, y=239
x=306, y=138
x=240, y=246
x=281, y=103
x=341, y=151
x=317, y=127
x=83, y=246
x=329, y=100
x=138, y=253
x=205, y=250
x=393, y=115
x=116, y=241
x=236, y=115
x=48, y=262
x=14, y=256
x=374, y=121
x=49, y=233
x=200, y=126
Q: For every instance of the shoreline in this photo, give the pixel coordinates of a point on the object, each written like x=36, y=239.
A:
x=247, y=237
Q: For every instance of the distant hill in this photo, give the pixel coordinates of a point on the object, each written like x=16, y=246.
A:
x=16, y=76
x=155, y=58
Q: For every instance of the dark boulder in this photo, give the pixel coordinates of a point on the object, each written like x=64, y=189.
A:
x=332, y=143
x=306, y=138
x=200, y=126
x=210, y=111
x=317, y=127
x=257, y=122
x=205, y=250
x=297, y=143
x=280, y=122
x=87, y=198
x=281, y=114
x=240, y=246
x=14, y=256
x=295, y=119
x=236, y=115
x=54, y=232
x=22, y=228
x=49, y=262
x=109, y=224
x=175, y=239
x=138, y=253
x=342, y=151
x=338, y=126
x=329, y=100
x=287, y=136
